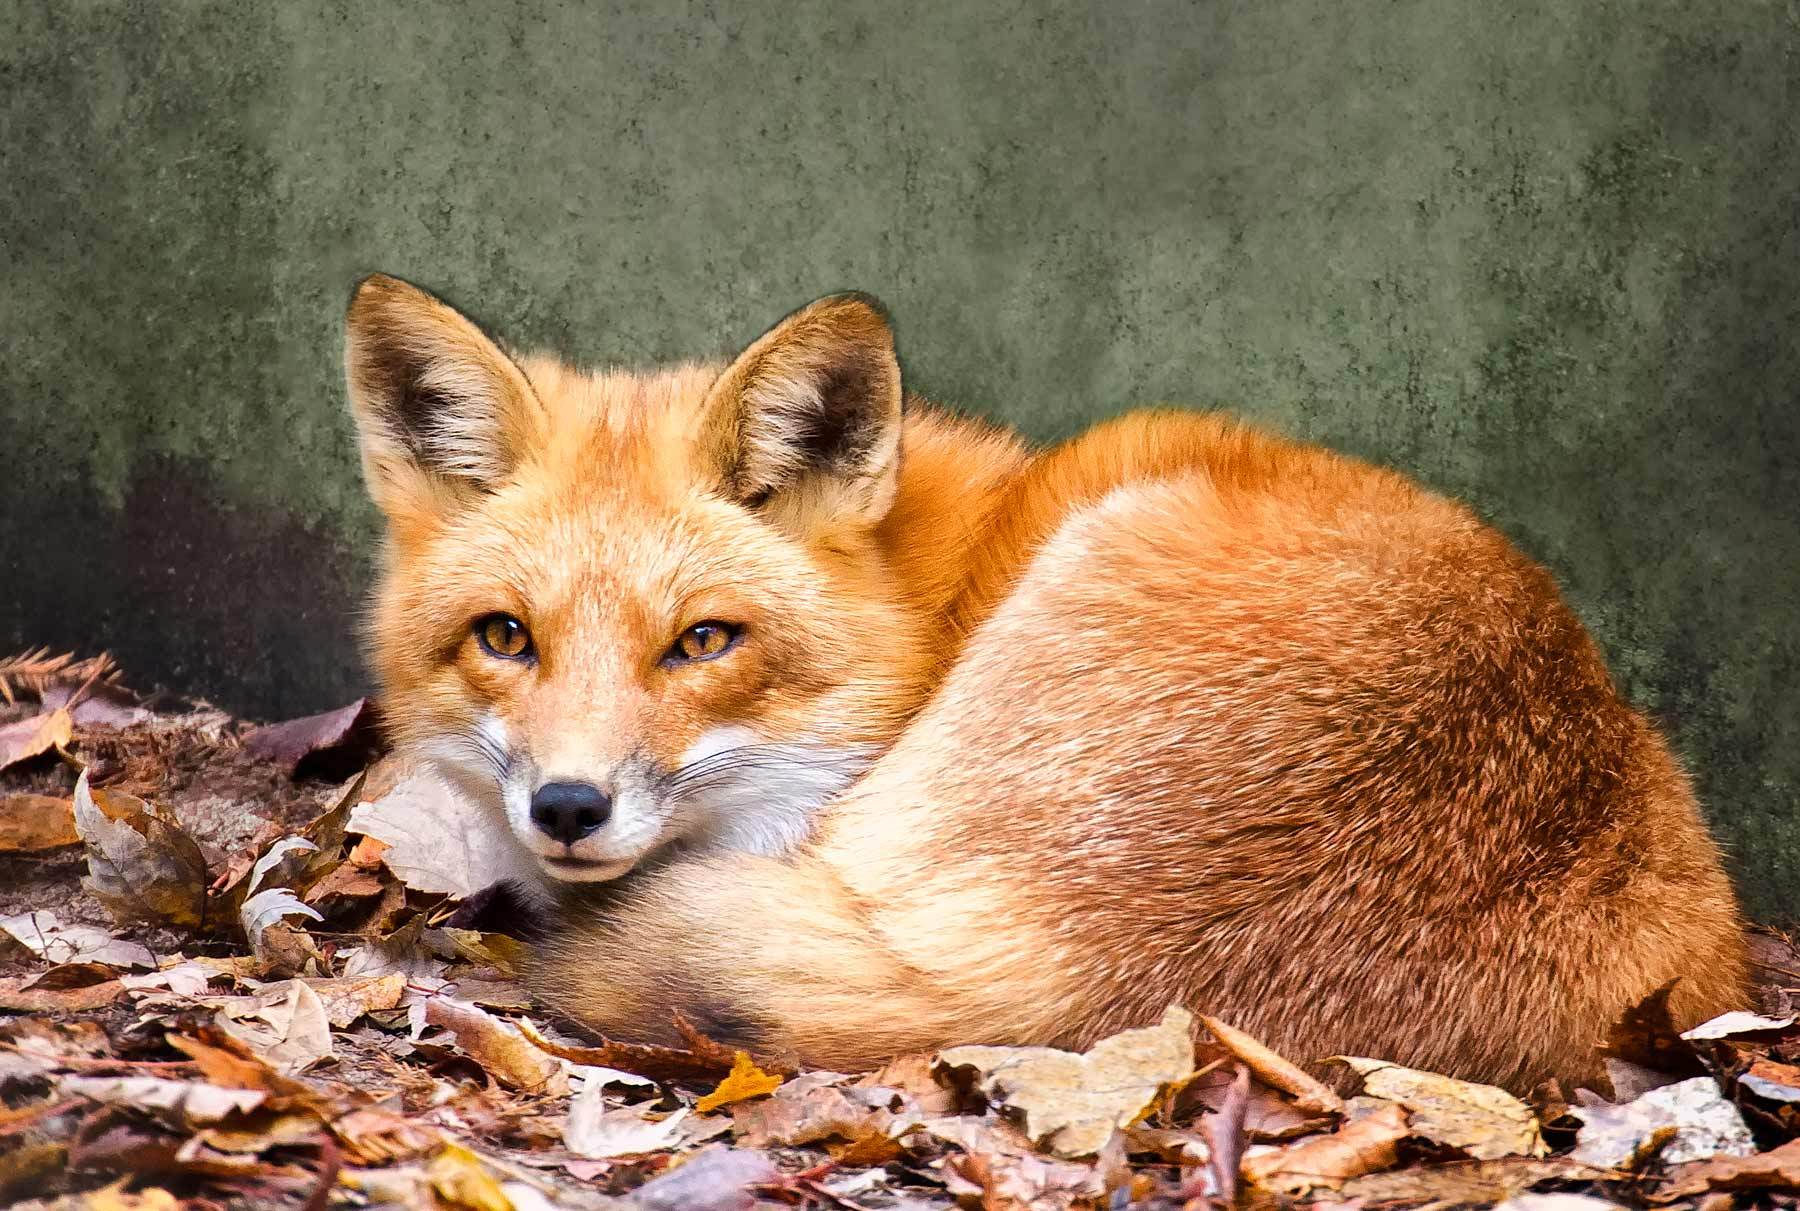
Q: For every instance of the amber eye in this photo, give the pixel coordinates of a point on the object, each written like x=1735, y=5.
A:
x=504, y=636
x=703, y=641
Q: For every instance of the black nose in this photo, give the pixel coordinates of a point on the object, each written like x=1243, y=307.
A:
x=569, y=811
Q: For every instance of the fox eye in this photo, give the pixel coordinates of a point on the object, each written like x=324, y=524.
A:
x=703, y=641
x=504, y=636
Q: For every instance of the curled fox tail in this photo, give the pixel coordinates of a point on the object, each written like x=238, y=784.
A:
x=800, y=970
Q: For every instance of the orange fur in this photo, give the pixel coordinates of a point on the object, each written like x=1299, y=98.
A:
x=1178, y=711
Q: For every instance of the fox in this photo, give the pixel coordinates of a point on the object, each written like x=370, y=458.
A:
x=843, y=726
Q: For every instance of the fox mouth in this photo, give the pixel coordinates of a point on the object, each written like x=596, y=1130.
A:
x=585, y=870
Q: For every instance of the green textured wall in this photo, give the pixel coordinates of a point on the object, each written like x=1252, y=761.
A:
x=1543, y=255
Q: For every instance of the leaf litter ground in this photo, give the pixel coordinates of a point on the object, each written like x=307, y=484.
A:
x=247, y=967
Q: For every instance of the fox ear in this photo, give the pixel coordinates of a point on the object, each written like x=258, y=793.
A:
x=441, y=411
x=805, y=425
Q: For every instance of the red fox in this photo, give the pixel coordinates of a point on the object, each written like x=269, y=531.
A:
x=911, y=735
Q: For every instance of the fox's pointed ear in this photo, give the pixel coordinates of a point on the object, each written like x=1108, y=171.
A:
x=805, y=425
x=441, y=411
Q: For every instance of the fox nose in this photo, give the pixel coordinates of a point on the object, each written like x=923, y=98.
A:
x=569, y=811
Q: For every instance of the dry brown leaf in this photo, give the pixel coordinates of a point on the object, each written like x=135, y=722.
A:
x=1004, y=1180
x=1466, y=1183
x=349, y=998
x=437, y=840
x=284, y=1024
x=743, y=1082
x=504, y=954
x=507, y=1054
x=1368, y=1145
x=705, y=1061
x=35, y=736
x=32, y=823
x=1481, y=1120
x=141, y=865
x=808, y=1111
x=293, y=741
x=25, y=996
x=1072, y=1103
x=1310, y=1095
x=1777, y=1169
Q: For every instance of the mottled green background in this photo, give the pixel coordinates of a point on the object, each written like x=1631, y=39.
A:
x=1543, y=255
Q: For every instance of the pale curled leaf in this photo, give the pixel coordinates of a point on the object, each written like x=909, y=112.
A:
x=55, y=942
x=437, y=840
x=182, y=1103
x=498, y=1046
x=1687, y=1121
x=1311, y=1095
x=1367, y=1145
x=1072, y=1103
x=597, y=1133
x=141, y=865
x=285, y=1024
x=1737, y=1022
x=267, y=907
x=1483, y=1121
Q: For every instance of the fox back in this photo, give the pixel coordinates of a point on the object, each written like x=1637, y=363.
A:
x=901, y=734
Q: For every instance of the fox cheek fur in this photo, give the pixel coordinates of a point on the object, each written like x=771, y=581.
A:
x=1028, y=744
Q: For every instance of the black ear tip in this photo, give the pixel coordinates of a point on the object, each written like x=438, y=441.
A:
x=862, y=299
x=375, y=287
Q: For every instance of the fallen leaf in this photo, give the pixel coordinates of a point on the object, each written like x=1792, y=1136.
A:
x=1687, y=1121
x=23, y=996
x=1368, y=1145
x=1311, y=1095
x=25, y=1167
x=460, y=1179
x=348, y=998
x=291, y=742
x=1560, y=1200
x=505, y=954
x=807, y=1111
x=284, y=1024
x=32, y=823
x=714, y=1179
x=37, y=735
x=507, y=1054
x=179, y=1103
x=141, y=865
x=1466, y=1183
x=1021, y=1181
x=743, y=1082
x=188, y=978
x=1777, y=1169
x=597, y=1133
x=54, y=942
x=437, y=840
x=1737, y=1024
x=1481, y=1120
x=1072, y=1103
x=706, y=1060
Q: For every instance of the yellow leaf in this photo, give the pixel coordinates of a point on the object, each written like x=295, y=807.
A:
x=744, y=1082
x=461, y=1180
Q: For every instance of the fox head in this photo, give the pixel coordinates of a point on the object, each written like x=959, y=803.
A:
x=630, y=611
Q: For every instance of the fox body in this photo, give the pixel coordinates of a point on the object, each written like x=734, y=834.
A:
x=903, y=734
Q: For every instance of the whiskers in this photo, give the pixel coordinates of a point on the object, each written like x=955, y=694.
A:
x=477, y=753
x=761, y=797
